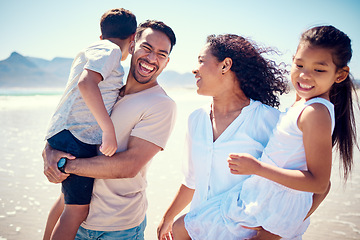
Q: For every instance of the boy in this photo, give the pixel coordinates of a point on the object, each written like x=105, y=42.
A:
x=81, y=120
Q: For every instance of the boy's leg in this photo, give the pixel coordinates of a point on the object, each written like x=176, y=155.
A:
x=69, y=222
x=54, y=215
x=179, y=230
x=76, y=190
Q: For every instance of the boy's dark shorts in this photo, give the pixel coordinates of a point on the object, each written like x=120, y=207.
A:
x=77, y=190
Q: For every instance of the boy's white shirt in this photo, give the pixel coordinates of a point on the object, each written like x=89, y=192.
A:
x=72, y=113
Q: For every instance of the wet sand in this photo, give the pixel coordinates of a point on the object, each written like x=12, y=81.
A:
x=26, y=196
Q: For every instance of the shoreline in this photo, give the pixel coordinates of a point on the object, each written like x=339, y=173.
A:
x=26, y=196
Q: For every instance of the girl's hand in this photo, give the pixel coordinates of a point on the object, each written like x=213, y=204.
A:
x=243, y=163
x=164, y=230
x=109, y=144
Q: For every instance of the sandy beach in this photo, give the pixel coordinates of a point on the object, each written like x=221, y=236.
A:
x=26, y=196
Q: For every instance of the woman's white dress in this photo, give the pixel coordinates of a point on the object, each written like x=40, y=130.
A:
x=256, y=201
x=207, y=169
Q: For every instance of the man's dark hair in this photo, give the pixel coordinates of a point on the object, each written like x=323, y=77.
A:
x=159, y=26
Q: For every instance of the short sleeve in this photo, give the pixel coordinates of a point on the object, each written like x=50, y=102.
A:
x=157, y=123
x=188, y=168
x=103, y=59
x=188, y=164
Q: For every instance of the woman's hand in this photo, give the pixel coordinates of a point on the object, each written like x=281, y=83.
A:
x=243, y=163
x=262, y=234
x=51, y=157
x=164, y=230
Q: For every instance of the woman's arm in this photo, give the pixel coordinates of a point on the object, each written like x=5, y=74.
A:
x=315, y=123
x=181, y=200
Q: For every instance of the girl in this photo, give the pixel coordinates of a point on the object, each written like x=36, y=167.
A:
x=297, y=160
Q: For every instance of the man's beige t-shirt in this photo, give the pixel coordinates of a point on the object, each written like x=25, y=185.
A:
x=120, y=204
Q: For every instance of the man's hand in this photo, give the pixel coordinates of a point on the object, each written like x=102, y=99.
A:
x=51, y=157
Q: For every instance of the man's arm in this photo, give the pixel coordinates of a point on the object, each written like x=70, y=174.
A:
x=125, y=164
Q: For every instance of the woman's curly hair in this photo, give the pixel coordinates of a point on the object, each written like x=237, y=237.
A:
x=259, y=78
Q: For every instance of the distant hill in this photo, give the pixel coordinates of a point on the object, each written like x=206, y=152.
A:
x=18, y=71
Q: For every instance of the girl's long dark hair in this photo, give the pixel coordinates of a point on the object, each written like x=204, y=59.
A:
x=341, y=94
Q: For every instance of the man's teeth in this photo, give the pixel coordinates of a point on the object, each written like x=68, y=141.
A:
x=144, y=65
x=305, y=86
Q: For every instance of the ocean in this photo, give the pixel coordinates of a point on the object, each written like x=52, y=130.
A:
x=26, y=196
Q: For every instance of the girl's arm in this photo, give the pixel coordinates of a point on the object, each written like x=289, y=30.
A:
x=317, y=200
x=315, y=123
x=181, y=200
x=89, y=89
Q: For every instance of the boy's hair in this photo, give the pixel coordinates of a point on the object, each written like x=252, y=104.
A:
x=118, y=23
x=159, y=26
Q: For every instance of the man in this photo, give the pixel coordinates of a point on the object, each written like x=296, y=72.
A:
x=143, y=119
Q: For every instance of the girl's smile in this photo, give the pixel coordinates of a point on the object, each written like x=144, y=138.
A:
x=313, y=72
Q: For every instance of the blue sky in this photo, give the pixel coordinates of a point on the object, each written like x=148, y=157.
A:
x=49, y=29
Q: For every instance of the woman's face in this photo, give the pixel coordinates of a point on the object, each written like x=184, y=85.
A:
x=207, y=73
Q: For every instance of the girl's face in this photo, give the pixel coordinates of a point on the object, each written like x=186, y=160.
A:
x=207, y=73
x=313, y=72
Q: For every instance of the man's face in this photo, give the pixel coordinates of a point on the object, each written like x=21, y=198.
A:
x=150, y=55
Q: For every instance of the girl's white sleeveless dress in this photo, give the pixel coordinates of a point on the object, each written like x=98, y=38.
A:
x=258, y=201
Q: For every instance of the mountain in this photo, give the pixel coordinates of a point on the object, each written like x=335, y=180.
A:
x=18, y=71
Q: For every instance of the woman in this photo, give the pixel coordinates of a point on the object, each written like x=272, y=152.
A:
x=244, y=88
